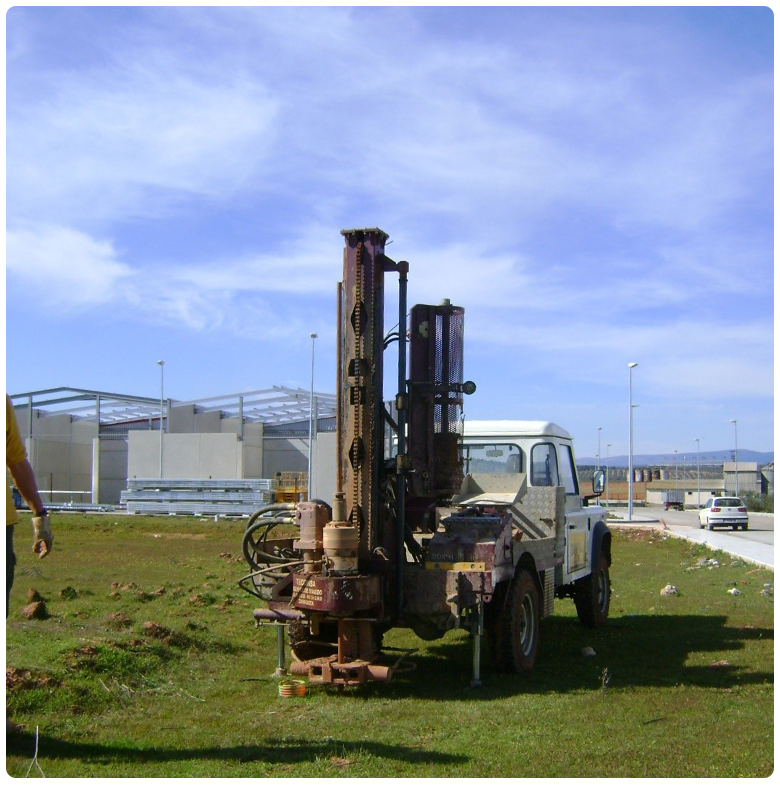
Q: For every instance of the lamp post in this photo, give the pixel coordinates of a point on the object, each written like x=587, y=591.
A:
x=697, y=440
x=609, y=445
x=676, y=471
x=598, y=452
x=736, y=460
x=311, y=417
x=631, y=367
x=161, y=364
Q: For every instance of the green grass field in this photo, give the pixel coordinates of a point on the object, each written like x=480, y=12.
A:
x=150, y=665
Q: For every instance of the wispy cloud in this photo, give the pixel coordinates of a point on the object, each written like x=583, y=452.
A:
x=66, y=269
x=584, y=177
x=99, y=147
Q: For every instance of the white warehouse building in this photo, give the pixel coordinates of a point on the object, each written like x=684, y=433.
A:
x=85, y=446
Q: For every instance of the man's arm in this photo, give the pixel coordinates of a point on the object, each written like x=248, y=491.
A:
x=24, y=480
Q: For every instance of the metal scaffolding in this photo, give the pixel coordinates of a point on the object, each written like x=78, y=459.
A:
x=275, y=406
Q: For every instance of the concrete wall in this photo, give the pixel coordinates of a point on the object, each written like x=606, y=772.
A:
x=749, y=477
x=201, y=455
x=185, y=420
x=285, y=454
x=60, y=453
x=198, y=445
x=109, y=470
x=254, y=448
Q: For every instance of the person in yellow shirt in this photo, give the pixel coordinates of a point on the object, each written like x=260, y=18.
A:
x=24, y=479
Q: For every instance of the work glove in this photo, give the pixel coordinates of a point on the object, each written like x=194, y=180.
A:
x=42, y=535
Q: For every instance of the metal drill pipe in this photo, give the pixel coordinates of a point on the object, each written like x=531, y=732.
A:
x=403, y=269
x=339, y=393
x=357, y=356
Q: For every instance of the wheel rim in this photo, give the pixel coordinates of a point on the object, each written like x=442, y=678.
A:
x=527, y=626
x=603, y=590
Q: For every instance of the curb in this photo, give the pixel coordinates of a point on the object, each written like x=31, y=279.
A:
x=730, y=552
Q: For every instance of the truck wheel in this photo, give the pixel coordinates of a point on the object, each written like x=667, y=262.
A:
x=592, y=596
x=304, y=647
x=517, y=627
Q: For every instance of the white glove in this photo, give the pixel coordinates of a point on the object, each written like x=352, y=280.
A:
x=42, y=535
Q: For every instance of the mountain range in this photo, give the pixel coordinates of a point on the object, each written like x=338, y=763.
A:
x=669, y=459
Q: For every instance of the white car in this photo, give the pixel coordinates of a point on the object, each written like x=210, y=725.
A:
x=723, y=512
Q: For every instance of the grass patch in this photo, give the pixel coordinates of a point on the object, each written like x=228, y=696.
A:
x=150, y=665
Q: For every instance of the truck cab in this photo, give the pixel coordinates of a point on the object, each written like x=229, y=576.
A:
x=544, y=452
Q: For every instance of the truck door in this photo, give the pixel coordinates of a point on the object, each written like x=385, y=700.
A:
x=553, y=465
x=578, y=522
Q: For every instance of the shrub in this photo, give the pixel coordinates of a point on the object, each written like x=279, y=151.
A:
x=758, y=503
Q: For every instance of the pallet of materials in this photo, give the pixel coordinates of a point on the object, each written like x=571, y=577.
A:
x=197, y=497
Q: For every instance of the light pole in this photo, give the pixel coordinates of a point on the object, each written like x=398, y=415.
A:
x=736, y=459
x=311, y=416
x=631, y=367
x=609, y=445
x=161, y=364
x=697, y=440
x=598, y=453
x=676, y=471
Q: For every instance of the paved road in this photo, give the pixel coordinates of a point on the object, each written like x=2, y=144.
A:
x=755, y=545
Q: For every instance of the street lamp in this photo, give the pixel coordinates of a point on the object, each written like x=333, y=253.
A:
x=736, y=459
x=631, y=367
x=161, y=364
x=697, y=440
x=311, y=415
x=676, y=471
x=598, y=453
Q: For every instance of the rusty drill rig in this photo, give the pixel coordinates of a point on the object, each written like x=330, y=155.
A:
x=343, y=582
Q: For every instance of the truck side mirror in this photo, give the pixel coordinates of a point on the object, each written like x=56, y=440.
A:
x=598, y=482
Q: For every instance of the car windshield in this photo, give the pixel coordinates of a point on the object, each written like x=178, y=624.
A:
x=729, y=502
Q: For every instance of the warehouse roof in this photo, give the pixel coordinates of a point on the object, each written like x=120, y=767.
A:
x=277, y=405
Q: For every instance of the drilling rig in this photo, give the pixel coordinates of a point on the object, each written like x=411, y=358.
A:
x=408, y=540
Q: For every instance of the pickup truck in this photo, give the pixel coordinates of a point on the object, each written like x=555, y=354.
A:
x=521, y=533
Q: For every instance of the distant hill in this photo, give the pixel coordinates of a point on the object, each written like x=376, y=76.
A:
x=667, y=459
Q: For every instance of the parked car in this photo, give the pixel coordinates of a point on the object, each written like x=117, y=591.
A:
x=723, y=512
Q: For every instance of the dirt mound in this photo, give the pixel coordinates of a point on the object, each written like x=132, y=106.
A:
x=22, y=679
x=36, y=611
x=119, y=620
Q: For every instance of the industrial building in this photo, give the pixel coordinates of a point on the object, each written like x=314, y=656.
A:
x=85, y=446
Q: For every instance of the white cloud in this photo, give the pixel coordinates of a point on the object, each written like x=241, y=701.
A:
x=103, y=146
x=484, y=133
x=472, y=151
x=65, y=268
x=706, y=359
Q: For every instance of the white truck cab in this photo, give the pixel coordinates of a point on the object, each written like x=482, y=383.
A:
x=544, y=452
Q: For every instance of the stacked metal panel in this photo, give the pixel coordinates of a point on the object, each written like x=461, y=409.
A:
x=198, y=497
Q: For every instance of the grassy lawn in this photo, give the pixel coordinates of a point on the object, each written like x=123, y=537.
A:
x=150, y=665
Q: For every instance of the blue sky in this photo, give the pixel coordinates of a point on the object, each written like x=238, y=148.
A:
x=594, y=186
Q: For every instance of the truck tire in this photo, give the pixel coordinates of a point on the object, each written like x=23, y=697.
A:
x=304, y=647
x=592, y=595
x=517, y=626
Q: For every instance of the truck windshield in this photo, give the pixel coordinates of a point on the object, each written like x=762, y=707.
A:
x=498, y=458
